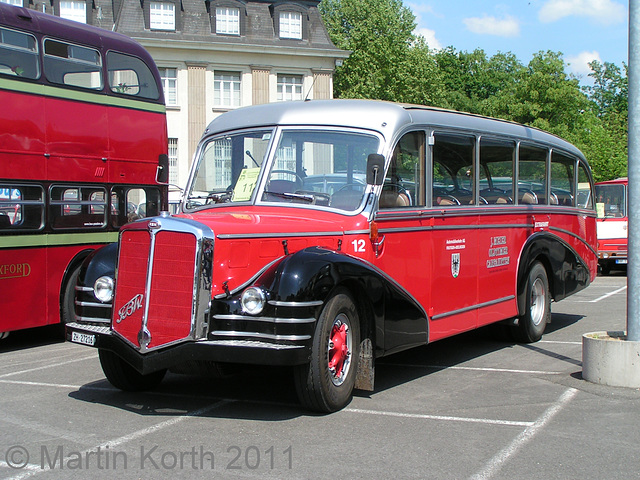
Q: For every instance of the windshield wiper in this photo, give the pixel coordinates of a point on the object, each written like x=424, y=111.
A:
x=296, y=196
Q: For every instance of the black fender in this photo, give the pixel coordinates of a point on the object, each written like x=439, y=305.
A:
x=568, y=273
x=390, y=317
x=98, y=263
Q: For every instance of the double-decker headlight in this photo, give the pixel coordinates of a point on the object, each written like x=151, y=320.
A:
x=103, y=289
x=253, y=300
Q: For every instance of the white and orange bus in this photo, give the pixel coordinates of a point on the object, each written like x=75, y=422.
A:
x=326, y=234
x=83, y=136
x=613, y=224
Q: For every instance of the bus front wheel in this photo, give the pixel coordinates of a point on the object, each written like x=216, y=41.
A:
x=326, y=383
x=537, y=311
x=123, y=376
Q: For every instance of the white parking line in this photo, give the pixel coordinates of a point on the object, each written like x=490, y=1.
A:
x=51, y=365
x=473, y=369
x=446, y=418
x=495, y=464
x=32, y=470
x=607, y=295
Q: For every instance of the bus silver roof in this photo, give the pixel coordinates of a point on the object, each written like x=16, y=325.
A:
x=384, y=117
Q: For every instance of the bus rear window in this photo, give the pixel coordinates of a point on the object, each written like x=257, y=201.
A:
x=129, y=75
x=18, y=54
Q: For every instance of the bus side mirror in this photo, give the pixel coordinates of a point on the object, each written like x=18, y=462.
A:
x=375, y=169
x=162, y=175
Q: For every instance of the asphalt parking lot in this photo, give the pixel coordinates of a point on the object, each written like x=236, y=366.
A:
x=471, y=407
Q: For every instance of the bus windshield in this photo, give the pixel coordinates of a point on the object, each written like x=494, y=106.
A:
x=611, y=201
x=314, y=167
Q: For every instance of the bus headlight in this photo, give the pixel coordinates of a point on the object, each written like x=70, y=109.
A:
x=103, y=289
x=253, y=301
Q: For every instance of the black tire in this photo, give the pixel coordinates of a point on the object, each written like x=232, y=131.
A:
x=537, y=307
x=68, y=299
x=318, y=387
x=605, y=269
x=123, y=376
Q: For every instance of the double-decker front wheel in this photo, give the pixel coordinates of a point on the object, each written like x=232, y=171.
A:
x=326, y=383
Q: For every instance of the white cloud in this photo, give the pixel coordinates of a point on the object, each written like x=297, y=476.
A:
x=430, y=37
x=606, y=12
x=486, y=25
x=579, y=64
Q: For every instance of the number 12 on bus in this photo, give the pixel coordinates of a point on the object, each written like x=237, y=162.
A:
x=83, y=138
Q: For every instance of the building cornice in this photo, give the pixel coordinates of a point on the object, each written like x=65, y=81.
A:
x=241, y=48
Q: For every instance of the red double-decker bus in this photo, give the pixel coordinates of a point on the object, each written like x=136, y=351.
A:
x=83, y=138
x=613, y=224
x=327, y=234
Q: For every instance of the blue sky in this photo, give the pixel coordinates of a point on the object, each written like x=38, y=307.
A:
x=583, y=30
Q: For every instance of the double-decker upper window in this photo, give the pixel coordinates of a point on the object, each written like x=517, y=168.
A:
x=18, y=54
x=74, y=65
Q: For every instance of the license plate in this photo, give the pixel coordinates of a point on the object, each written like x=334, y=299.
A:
x=622, y=261
x=83, y=338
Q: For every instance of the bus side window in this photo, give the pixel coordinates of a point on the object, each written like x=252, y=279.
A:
x=532, y=168
x=453, y=173
x=18, y=54
x=72, y=65
x=497, y=158
x=129, y=75
x=130, y=204
x=585, y=198
x=404, y=183
x=77, y=207
x=562, y=168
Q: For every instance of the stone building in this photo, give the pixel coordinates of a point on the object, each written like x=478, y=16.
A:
x=217, y=55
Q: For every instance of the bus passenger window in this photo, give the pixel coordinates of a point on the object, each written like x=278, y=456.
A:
x=496, y=171
x=72, y=65
x=131, y=76
x=453, y=175
x=585, y=198
x=18, y=54
x=130, y=204
x=532, y=168
x=404, y=183
x=77, y=207
x=562, y=168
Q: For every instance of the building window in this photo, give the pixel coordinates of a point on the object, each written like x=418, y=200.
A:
x=169, y=78
x=228, y=20
x=162, y=16
x=173, y=161
x=291, y=25
x=17, y=3
x=226, y=89
x=289, y=87
x=74, y=10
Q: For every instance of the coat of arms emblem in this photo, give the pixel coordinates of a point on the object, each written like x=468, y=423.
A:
x=455, y=264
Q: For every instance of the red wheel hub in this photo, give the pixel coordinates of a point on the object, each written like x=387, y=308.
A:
x=338, y=349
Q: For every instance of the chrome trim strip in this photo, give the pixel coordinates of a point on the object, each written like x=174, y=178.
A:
x=84, y=289
x=265, y=319
x=473, y=307
x=571, y=234
x=232, y=333
x=92, y=319
x=234, y=236
x=357, y=232
x=278, y=303
x=93, y=304
x=90, y=328
x=250, y=344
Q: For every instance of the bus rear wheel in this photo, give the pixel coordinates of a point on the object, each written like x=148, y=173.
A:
x=326, y=383
x=537, y=311
x=123, y=376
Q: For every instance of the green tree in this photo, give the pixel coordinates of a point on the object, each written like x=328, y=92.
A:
x=387, y=61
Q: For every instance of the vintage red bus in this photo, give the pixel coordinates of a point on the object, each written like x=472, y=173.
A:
x=82, y=136
x=326, y=234
x=612, y=224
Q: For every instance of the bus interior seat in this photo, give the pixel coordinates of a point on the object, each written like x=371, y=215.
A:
x=5, y=221
x=392, y=197
x=447, y=200
x=528, y=197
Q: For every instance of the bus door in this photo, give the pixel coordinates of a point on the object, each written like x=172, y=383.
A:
x=454, y=236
